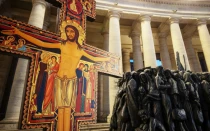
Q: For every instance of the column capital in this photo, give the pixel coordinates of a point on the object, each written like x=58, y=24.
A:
x=201, y=21
x=164, y=27
x=174, y=20
x=144, y=18
x=134, y=34
x=189, y=30
x=162, y=35
x=135, y=29
x=39, y=2
x=126, y=50
x=114, y=13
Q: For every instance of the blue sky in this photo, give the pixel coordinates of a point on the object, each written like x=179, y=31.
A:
x=158, y=62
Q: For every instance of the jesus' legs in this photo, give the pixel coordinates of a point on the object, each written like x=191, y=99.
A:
x=65, y=101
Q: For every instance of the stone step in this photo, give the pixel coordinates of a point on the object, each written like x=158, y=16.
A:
x=8, y=125
x=12, y=125
x=95, y=127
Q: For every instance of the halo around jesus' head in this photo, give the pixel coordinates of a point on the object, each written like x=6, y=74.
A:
x=77, y=26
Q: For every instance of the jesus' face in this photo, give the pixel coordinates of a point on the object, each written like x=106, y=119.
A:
x=70, y=33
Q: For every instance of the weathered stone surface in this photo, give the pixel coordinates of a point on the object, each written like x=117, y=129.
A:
x=12, y=125
x=95, y=127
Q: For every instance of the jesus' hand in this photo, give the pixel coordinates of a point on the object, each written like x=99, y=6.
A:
x=13, y=31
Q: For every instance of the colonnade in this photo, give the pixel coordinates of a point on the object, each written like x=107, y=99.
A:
x=181, y=45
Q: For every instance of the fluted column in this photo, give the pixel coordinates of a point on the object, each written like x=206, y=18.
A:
x=100, y=103
x=105, y=82
x=193, y=60
x=126, y=59
x=103, y=101
x=106, y=41
x=46, y=22
x=114, y=47
x=16, y=94
x=173, y=61
x=178, y=43
x=148, y=42
x=164, y=54
x=37, y=13
x=137, y=53
x=57, y=20
x=205, y=40
x=114, y=33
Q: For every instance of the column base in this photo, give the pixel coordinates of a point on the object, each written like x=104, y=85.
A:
x=109, y=118
x=9, y=124
x=102, y=118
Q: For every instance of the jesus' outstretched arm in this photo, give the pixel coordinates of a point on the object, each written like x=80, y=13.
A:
x=31, y=39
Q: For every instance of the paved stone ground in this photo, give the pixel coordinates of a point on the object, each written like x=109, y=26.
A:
x=95, y=127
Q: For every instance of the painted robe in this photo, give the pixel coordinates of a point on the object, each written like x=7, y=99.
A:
x=40, y=85
x=49, y=92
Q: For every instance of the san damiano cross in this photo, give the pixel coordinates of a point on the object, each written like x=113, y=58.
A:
x=74, y=14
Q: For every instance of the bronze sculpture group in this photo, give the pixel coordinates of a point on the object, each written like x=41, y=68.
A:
x=158, y=99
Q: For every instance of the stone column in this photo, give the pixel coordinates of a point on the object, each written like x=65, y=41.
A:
x=105, y=82
x=164, y=54
x=194, y=63
x=137, y=53
x=178, y=43
x=106, y=41
x=37, y=13
x=126, y=59
x=104, y=87
x=205, y=40
x=57, y=21
x=173, y=61
x=46, y=22
x=114, y=47
x=148, y=42
x=114, y=33
x=100, y=104
x=16, y=94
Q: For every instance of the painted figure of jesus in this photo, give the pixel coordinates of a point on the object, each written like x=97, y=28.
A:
x=65, y=83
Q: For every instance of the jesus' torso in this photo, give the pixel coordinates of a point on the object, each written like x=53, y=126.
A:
x=70, y=57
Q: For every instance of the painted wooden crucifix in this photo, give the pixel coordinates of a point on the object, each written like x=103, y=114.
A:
x=62, y=87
